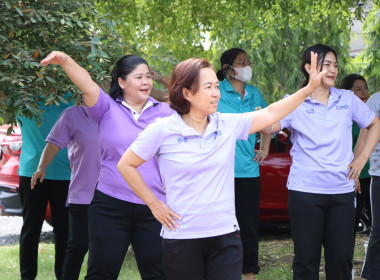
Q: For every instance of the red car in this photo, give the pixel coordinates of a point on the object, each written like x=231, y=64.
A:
x=9, y=159
x=274, y=171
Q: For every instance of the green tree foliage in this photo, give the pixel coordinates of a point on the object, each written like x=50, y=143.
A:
x=29, y=30
x=273, y=32
x=371, y=54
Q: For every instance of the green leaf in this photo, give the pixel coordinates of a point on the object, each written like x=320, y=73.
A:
x=50, y=79
x=20, y=12
x=3, y=79
x=7, y=5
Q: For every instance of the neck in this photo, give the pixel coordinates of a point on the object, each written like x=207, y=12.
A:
x=137, y=106
x=237, y=85
x=321, y=94
x=197, y=122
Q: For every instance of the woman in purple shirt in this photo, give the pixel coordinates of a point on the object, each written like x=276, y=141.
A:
x=195, y=148
x=76, y=130
x=117, y=216
x=321, y=180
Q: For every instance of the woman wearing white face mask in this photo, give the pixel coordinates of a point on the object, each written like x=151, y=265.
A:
x=239, y=97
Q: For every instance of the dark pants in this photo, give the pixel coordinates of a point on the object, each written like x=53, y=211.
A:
x=34, y=203
x=247, y=204
x=371, y=267
x=77, y=244
x=211, y=258
x=322, y=219
x=113, y=224
x=363, y=199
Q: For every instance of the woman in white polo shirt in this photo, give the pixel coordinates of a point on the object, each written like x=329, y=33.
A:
x=195, y=148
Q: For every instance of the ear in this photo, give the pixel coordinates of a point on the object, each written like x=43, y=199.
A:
x=186, y=94
x=308, y=67
x=225, y=67
x=121, y=83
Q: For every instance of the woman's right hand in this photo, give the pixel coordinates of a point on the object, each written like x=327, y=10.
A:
x=164, y=215
x=54, y=57
x=40, y=173
x=315, y=75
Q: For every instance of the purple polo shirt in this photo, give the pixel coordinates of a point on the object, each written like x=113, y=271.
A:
x=322, y=142
x=76, y=130
x=197, y=170
x=117, y=131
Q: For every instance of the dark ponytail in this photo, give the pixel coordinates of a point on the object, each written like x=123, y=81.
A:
x=228, y=58
x=322, y=51
x=124, y=66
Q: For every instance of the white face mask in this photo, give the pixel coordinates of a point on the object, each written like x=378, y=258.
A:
x=244, y=74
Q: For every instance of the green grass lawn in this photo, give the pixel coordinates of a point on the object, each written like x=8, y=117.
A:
x=275, y=259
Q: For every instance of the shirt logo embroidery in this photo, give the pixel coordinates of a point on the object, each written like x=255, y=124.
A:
x=311, y=111
x=342, y=107
x=182, y=139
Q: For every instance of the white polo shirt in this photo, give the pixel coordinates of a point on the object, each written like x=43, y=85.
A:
x=197, y=170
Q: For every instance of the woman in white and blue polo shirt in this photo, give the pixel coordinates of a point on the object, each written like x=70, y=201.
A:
x=195, y=149
x=321, y=180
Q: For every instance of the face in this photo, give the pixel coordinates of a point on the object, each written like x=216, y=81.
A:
x=331, y=65
x=360, y=89
x=137, y=85
x=205, y=100
x=241, y=60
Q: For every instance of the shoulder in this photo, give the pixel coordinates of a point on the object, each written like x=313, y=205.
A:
x=374, y=98
x=162, y=108
x=252, y=89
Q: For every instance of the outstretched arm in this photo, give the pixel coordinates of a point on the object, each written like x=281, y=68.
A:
x=77, y=74
x=278, y=110
x=47, y=156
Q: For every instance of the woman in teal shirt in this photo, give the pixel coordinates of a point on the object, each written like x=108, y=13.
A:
x=236, y=96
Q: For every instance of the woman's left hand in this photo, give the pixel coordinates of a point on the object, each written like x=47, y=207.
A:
x=260, y=155
x=356, y=167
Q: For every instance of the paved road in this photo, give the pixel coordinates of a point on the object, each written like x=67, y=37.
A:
x=10, y=228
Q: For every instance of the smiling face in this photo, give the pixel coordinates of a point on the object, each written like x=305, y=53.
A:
x=137, y=85
x=330, y=64
x=360, y=89
x=205, y=100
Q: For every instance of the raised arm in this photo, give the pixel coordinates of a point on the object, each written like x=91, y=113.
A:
x=77, y=74
x=278, y=110
x=47, y=156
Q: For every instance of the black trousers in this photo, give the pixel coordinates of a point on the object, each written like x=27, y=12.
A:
x=247, y=205
x=362, y=200
x=113, y=225
x=211, y=258
x=322, y=220
x=371, y=267
x=34, y=204
x=77, y=244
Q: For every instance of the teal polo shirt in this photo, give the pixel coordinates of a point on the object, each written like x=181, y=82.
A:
x=33, y=143
x=231, y=102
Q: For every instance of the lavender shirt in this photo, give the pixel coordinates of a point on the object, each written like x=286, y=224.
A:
x=322, y=142
x=117, y=130
x=197, y=171
x=374, y=161
x=76, y=130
